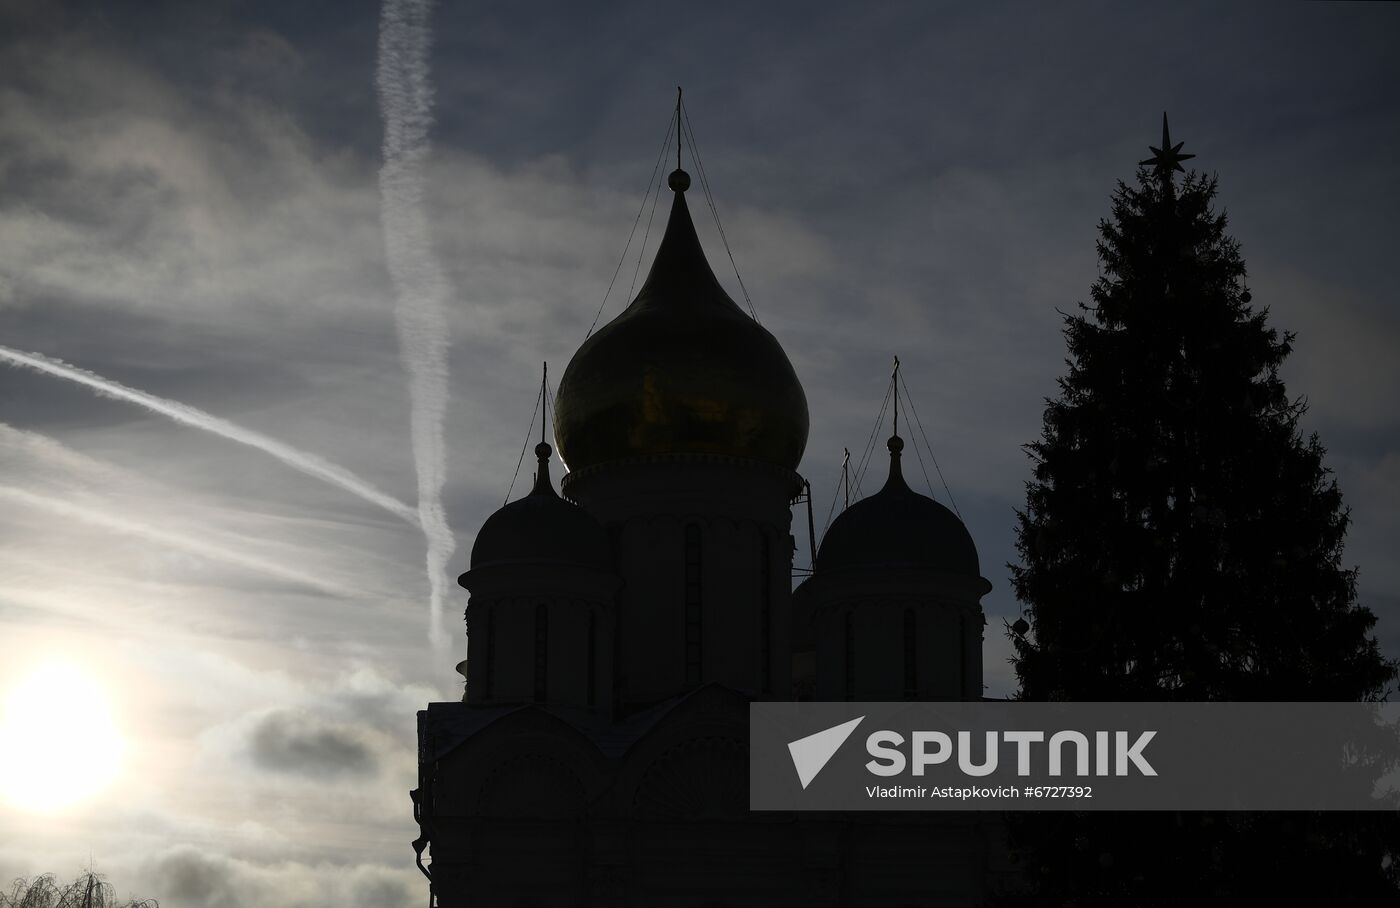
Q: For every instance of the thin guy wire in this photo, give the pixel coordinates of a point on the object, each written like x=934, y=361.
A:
x=918, y=422
x=665, y=144
x=918, y=453
x=870, y=445
x=528, y=432
x=826, y=526
x=714, y=211
x=550, y=412
x=869, y=451
x=642, y=251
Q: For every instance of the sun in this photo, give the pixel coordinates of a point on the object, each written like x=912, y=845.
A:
x=59, y=742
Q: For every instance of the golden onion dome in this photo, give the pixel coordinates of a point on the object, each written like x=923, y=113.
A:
x=683, y=370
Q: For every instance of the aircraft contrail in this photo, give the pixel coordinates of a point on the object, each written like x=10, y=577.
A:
x=420, y=286
x=309, y=464
x=184, y=542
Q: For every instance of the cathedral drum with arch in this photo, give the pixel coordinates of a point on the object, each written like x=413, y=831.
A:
x=618, y=632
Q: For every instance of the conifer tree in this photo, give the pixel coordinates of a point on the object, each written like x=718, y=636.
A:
x=1182, y=540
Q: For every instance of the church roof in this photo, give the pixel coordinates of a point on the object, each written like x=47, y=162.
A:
x=541, y=527
x=897, y=527
x=683, y=370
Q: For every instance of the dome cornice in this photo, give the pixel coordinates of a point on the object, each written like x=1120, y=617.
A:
x=574, y=478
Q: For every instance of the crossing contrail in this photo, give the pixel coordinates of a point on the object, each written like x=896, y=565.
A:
x=309, y=464
x=420, y=286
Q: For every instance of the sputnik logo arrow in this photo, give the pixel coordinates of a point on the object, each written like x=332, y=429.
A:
x=811, y=753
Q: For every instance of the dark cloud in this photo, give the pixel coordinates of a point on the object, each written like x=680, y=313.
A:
x=188, y=877
x=191, y=877
x=294, y=742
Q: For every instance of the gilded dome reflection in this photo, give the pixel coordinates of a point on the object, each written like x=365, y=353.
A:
x=683, y=370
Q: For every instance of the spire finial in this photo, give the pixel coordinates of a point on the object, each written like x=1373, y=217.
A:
x=1166, y=159
x=846, y=475
x=543, y=450
x=542, y=484
x=895, y=444
x=679, y=180
x=894, y=379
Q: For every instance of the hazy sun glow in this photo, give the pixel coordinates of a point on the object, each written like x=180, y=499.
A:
x=59, y=742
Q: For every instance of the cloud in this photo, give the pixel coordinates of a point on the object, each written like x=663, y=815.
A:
x=303, y=738
x=66, y=496
x=293, y=741
x=352, y=725
x=368, y=696
x=1343, y=357
x=189, y=877
x=200, y=218
x=174, y=545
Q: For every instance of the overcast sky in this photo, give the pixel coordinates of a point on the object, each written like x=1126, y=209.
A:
x=190, y=205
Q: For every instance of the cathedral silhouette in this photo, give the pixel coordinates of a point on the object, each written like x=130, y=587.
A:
x=618, y=633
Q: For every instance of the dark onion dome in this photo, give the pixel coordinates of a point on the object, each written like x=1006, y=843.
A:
x=683, y=370
x=541, y=527
x=898, y=528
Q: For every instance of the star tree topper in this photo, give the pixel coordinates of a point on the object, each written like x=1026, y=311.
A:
x=1168, y=158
